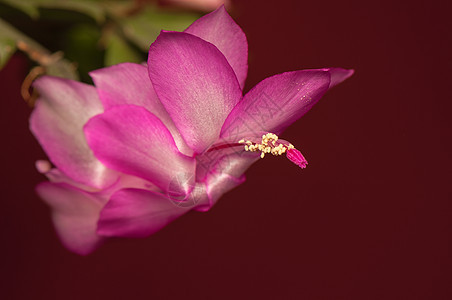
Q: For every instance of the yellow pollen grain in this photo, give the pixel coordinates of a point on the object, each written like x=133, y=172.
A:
x=267, y=145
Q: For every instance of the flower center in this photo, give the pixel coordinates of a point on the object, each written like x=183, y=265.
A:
x=270, y=144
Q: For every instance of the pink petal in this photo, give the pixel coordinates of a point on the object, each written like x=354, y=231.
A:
x=196, y=85
x=132, y=140
x=217, y=185
x=137, y=213
x=220, y=29
x=222, y=170
x=338, y=75
x=129, y=83
x=75, y=214
x=57, y=122
x=233, y=161
x=278, y=101
x=56, y=176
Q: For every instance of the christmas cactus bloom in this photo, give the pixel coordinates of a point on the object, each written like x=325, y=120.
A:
x=147, y=144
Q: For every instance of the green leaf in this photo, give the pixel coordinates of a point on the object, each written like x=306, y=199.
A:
x=62, y=68
x=55, y=66
x=9, y=32
x=7, y=48
x=92, y=8
x=81, y=44
x=143, y=28
x=119, y=51
x=28, y=7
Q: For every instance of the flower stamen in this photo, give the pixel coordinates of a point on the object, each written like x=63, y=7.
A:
x=270, y=145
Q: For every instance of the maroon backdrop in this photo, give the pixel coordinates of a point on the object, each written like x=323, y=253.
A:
x=368, y=219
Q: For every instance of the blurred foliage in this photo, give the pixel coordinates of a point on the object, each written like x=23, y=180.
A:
x=81, y=45
x=7, y=48
x=14, y=39
x=118, y=50
x=91, y=8
x=72, y=37
x=143, y=28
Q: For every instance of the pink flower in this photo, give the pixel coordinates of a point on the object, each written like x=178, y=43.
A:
x=148, y=144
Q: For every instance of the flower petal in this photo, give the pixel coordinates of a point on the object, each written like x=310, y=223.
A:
x=61, y=111
x=220, y=29
x=75, y=214
x=132, y=140
x=230, y=160
x=338, y=75
x=217, y=185
x=196, y=85
x=124, y=181
x=129, y=83
x=278, y=101
x=137, y=213
x=222, y=170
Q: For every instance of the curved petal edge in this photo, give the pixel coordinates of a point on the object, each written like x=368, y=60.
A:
x=221, y=30
x=195, y=83
x=75, y=214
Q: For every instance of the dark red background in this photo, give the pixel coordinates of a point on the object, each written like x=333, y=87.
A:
x=370, y=218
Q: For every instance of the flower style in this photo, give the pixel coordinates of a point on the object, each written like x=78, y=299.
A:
x=149, y=143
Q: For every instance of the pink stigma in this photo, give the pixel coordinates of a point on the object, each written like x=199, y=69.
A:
x=297, y=158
